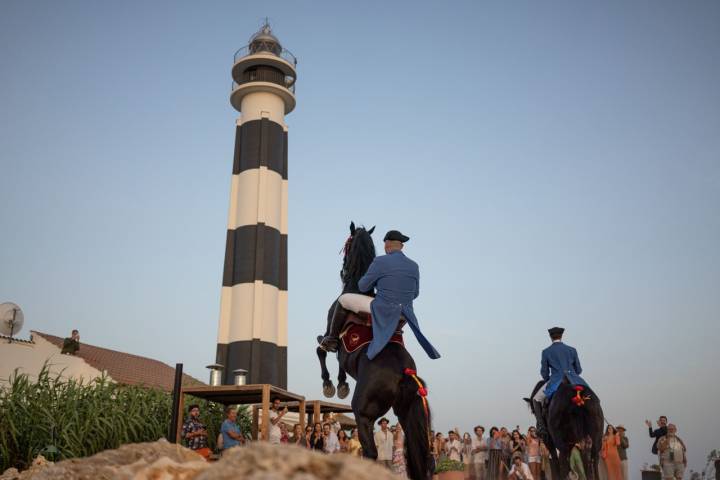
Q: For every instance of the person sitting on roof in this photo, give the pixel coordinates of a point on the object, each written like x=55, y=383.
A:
x=71, y=344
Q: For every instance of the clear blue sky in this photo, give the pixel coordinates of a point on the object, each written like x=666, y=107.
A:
x=554, y=163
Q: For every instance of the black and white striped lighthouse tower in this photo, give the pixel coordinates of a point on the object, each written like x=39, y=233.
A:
x=253, y=306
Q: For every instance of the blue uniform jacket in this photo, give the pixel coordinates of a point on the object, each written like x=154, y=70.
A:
x=397, y=281
x=559, y=360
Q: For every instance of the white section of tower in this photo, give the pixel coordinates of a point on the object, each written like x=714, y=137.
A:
x=264, y=304
x=259, y=196
x=257, y=105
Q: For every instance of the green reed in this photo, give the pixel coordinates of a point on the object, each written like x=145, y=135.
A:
x=64, y=418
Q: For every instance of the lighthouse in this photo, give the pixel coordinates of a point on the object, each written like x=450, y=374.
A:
x=252, y=333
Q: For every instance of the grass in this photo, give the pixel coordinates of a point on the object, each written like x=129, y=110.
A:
x=64, y=418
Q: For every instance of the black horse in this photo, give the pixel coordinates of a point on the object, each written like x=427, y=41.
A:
x=573, y=415
x=358, y=255
x=387, y=381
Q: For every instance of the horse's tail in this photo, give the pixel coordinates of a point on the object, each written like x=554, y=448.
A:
x=584, y=415
x=413, y=402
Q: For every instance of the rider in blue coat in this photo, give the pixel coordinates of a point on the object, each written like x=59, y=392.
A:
x=558, y=361
x=396, y=279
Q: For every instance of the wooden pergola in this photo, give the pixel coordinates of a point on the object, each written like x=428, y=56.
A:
x=258, y=395
x=315, y=409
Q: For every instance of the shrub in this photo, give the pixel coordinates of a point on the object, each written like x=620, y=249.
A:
x=65, y=418
x=448, y=465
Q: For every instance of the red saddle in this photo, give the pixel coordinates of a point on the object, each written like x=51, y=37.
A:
x=357, y=332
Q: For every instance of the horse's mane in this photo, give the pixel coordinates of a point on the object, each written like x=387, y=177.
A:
x=359, y=254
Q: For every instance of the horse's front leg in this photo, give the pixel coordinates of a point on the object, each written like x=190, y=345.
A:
x=328, y=387
x=343, y=388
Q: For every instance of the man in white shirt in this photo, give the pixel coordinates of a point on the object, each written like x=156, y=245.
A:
x=331, y=444
x=453, y=447
x=478, y=447
x=673, y=454
x=384, y=443
x=275, y=417
x=520, y=470
x=329, y=417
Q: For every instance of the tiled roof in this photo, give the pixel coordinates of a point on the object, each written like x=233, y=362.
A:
x=4, y=338
x=126, y=368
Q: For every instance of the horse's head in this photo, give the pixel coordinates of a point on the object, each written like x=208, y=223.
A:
x=359, y=252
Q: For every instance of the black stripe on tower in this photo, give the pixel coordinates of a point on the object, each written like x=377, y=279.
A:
x=255, y=252
x=260, y=143
x=264, y=361
x=285, y=157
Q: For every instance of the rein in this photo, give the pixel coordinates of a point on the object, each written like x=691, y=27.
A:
x=346, y=247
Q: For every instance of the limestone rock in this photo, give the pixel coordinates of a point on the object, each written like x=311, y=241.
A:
x=154, y=460
x=40, y=462
x=10, y=474
x=262, y=461
x=162, y=460
x=37, y=464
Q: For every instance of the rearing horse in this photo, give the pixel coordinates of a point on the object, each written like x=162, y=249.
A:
x=357, y=258
x=388, y=380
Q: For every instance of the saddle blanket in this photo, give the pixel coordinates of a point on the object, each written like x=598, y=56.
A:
x=355, y=336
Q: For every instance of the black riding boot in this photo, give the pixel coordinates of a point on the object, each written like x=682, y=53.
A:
x=330, y=342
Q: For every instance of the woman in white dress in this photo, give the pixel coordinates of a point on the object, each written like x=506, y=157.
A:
x=398, y=459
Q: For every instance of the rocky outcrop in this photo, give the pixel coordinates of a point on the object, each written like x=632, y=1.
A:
x=156, y=460
x=262, y=461
x=162, y=460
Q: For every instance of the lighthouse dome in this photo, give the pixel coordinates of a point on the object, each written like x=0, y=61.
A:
x=265, y=41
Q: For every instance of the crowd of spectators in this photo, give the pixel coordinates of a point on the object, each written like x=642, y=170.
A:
x=500, y=455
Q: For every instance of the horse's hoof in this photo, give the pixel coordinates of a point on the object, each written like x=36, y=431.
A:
x=343, y=390
x=328, y=390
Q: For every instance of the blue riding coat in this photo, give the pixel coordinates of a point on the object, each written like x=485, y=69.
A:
x=397, y=281
x=560, y=360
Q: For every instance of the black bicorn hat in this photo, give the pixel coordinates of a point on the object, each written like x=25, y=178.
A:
x=555, y=331
x=383, y=419
x=395, y=235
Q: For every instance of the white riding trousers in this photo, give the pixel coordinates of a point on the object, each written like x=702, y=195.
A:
x=540, y=395
x=355, y=302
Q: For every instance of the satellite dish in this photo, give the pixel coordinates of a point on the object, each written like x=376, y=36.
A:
x=11, y=319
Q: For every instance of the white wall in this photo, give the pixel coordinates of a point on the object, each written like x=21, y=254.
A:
x=30, y=357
